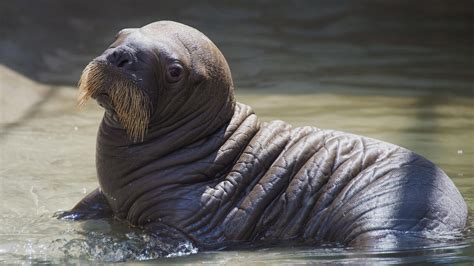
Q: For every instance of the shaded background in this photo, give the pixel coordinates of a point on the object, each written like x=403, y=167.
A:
x=314, y=45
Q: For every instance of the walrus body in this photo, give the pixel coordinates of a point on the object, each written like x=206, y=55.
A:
x=205, y=166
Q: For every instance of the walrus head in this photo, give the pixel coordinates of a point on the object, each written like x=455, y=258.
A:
x=158, y=76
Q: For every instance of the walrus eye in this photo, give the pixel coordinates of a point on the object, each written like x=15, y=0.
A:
x=174, y=73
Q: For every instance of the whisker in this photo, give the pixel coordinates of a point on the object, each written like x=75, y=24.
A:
x=129, y=102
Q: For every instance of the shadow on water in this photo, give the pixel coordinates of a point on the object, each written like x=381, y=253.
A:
x=27, y=115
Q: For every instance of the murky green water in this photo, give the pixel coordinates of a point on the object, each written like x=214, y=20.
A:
x=48, y=165
x=392, y=71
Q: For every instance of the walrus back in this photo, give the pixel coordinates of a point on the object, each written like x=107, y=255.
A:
x=329, y=186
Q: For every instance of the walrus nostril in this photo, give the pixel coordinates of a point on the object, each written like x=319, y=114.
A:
x=119, y=58
x=122, y=63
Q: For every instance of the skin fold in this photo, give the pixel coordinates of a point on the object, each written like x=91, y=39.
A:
x=206, y=168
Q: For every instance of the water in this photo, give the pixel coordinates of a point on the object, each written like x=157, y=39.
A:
x=398, y=72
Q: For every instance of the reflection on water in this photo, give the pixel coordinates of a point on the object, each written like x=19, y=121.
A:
x=394, y=71
x=48, y=164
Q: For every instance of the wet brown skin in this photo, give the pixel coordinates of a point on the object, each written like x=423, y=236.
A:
x=206, y=167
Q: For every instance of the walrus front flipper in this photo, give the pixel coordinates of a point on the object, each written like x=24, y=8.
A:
x=93, y=206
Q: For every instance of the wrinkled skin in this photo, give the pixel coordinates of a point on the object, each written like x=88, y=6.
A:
x=210, y=170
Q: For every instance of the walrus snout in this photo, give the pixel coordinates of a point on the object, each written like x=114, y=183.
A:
x=114, y=90
x=120, y=57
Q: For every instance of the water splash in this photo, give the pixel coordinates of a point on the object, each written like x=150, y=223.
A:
x=103, y=247
x=47, y=240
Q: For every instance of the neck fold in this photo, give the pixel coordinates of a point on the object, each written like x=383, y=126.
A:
x=191, y=152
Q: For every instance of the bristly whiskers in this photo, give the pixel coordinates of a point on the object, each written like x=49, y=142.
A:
x=131, y=104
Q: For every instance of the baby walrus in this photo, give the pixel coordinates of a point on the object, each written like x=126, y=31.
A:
x=175, y=150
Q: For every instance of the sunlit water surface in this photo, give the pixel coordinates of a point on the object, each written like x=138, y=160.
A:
x=48, y=165
x=317, y=69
